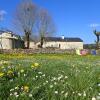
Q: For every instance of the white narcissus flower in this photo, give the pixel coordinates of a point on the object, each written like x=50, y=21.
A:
x=51, y=86
x=15, y=93
x=55, y=83
x=11, y=89
x=39, y=72
x=24, y=75
x=11, y=94
x=46, y=81
x=99, y=84
x=66, y=77
x=66, y=94
x=93, y=98
x=56, y=92
x=43, y=75
x=53, y=79
x=36, y=76
x=79, y=94
x=62, y=92
x=17, y=96
x=84, y=94
x=17, y=88
x=30, y=95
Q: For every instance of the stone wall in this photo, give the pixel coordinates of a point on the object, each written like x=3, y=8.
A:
x=37, y=51
x=44, y=51
x=6, y=43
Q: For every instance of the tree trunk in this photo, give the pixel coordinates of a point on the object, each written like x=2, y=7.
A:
x=42, y=38
x=97, y=41
x=27, y=41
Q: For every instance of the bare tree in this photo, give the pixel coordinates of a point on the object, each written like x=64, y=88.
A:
x=45, y=25
x=97, y=34
x=25, y=17
x=2, y=15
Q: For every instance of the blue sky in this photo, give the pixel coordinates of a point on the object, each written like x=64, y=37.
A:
x=73, y=18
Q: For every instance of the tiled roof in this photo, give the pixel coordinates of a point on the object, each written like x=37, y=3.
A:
x=5, y=30
x=8, y=31
x=48, y=39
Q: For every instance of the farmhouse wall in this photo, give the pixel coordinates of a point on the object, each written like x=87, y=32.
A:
x=5, y=43
x=64, y=45
x=10, y=43
x=32, y=45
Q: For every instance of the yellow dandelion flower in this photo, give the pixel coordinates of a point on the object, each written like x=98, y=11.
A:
x=26, y=88
x=22, y=71
x=32, y=66
x=10, y=73
x=1, y=74
x=2, y=67
x=36, y=64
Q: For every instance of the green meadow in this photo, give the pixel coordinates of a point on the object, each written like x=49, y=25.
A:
x=49, y=77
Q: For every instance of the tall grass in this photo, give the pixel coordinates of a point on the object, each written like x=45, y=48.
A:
x=49, y=77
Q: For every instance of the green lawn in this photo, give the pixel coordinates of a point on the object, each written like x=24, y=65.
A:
x=49, y=77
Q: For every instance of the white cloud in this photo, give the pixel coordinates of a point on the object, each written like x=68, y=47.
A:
x=94, y=25
x=2, y=14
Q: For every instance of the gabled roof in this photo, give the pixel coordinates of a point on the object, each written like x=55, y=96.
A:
x=9, y=32
x=59, y=39
x=5, y=30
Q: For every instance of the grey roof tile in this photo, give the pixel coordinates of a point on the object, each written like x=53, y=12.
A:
x=48, y=39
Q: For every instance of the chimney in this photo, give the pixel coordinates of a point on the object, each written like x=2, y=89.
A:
x=62, y=37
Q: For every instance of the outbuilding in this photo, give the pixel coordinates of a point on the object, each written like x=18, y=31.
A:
x=9, y=40
x=63, y=42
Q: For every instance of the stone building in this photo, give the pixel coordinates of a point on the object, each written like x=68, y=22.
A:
x=63, y=43
x=32, y=45
x=9, y=40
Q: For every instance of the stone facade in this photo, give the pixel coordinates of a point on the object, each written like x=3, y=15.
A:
x=63, y=43
x=5, y=43
x=32, y=45
x=8, y=40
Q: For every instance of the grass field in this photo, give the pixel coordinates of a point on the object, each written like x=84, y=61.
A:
x=49, y=77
